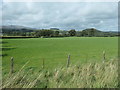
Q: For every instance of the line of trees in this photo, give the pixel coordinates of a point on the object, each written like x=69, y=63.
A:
x=84, y=33
x=91, y=32
x=54, y=33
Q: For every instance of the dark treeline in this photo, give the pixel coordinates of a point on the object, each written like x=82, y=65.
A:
x=91, y=32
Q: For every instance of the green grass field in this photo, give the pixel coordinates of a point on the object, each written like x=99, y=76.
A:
x=55, y=50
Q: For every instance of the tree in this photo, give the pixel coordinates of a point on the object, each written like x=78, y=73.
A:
x=92, y=32
x=56, y=33
x=84, y=33
x=72, y=32
x=44, y=33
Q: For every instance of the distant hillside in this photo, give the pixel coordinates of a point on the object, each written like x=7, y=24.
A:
x=15, y=30
x=10, y=29
x=91, y=32
x=15, y=27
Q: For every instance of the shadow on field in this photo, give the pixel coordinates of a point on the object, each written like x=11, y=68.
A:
x=3, y=55
x=6, y=49
x=3, y=42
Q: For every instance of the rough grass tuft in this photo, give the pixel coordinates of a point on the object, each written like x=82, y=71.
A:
x=90, y=75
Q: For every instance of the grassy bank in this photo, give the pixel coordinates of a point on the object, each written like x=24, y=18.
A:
x=89, y=75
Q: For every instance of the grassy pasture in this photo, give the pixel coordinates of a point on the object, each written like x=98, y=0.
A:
x=55, y=50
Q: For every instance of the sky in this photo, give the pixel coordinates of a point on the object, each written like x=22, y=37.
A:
x=63, y=15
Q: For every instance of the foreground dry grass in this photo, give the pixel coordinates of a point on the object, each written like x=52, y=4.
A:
x=90, y=75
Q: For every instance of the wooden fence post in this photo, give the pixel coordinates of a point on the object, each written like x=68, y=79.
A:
x=43, y=63
x=12, y=65
x=104, y=56
x=68, y=61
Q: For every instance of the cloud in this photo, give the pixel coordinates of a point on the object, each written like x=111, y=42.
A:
x=77, y=15
x=61, y=0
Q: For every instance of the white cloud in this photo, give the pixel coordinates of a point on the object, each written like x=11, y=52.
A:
x=62, y=15
x=61, y=0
